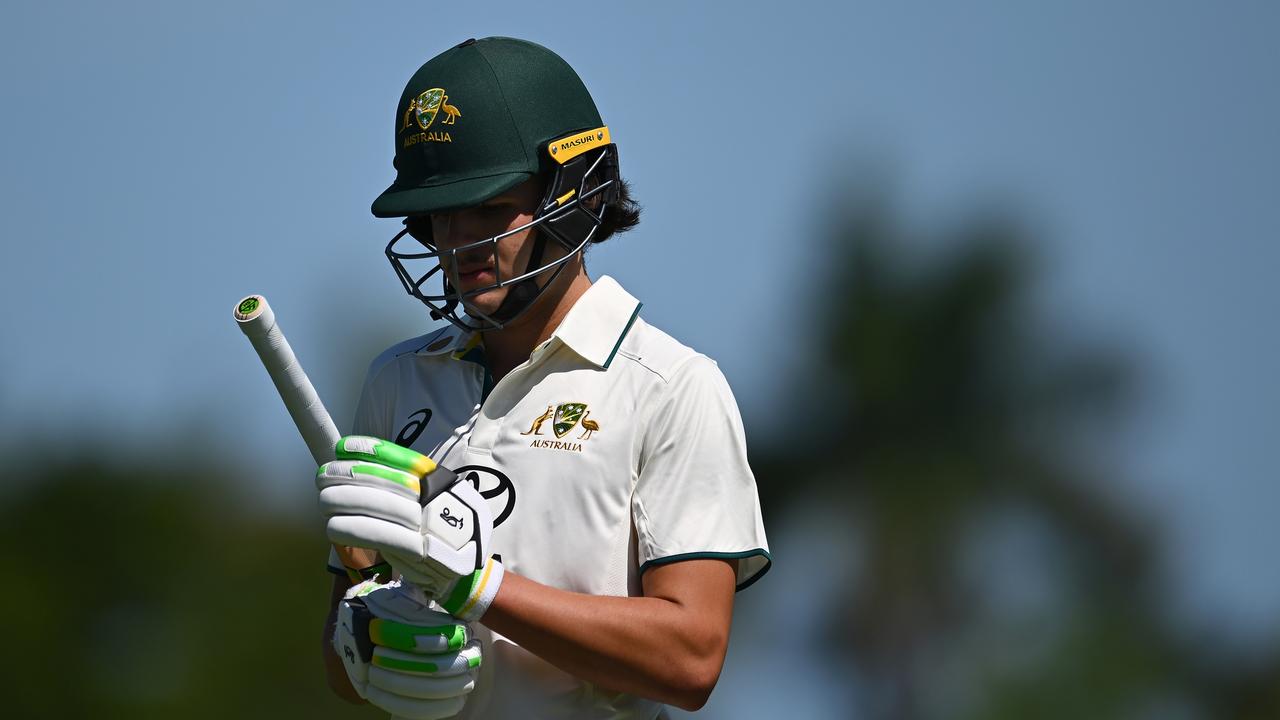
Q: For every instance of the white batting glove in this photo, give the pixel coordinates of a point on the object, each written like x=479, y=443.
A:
x=402, y=656
x=370, y=495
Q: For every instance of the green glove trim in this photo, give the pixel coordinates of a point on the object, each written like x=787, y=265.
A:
x=472, y=594
x=389, y=633
x=382, y=472
x=461, y=592
x=360, y=447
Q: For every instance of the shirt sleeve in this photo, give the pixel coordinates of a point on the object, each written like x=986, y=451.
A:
x=373, y=413
x=695, y=496
x=377, y=396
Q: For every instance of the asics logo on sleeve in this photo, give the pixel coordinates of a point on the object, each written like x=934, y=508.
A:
x=410, y=432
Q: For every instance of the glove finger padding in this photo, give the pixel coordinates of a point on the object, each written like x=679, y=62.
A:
x=371, y=503
x=425, y=676
x=390, y=538
x=419, y=639
x=384, y=452
x=372, y=475
x=402, y=656
x=415, y=708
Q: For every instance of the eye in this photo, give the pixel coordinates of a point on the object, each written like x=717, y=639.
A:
x=419, y=229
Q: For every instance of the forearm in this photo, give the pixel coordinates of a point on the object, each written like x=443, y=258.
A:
x=656, y=647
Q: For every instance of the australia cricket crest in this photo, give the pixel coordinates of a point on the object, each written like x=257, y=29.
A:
x=427, y=105
x=563, y=418
x=566, y=417
x=422, y=111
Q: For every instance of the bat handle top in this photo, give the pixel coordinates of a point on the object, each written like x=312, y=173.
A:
x=251, y=308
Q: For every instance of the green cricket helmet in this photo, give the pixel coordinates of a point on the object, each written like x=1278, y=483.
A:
x=474, y=122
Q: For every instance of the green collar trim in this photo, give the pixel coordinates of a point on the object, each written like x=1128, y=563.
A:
x=597, y=322
x=473, y=352
x=622, y=336
x=742, y=585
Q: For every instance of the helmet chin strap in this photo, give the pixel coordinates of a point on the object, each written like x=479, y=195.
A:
x=449, y=304
x=520, y=294
x=525, y=291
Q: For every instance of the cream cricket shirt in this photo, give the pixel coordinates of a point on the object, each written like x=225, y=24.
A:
x=614, y=448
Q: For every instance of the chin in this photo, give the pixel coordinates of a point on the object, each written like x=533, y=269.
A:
x=487, y=302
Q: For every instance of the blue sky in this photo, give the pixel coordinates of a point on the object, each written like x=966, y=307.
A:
x=162, y=160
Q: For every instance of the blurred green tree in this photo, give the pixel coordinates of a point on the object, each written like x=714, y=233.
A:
x=146, y=591
x=948, y=423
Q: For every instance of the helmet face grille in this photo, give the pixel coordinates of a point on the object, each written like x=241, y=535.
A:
x=570, y=213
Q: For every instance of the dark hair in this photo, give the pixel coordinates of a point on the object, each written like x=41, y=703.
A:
x=619, y=216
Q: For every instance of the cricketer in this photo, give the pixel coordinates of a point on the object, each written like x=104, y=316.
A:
x=585, y=562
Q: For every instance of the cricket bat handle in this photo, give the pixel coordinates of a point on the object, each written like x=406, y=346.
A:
x=254, y=316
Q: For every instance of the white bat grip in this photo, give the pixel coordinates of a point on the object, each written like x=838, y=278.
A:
x=258, y=322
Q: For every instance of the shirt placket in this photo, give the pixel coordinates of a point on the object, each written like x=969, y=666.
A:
x=508, y=391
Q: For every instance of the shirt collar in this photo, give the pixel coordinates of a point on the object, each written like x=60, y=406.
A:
x=593, y=328
x=598, y=321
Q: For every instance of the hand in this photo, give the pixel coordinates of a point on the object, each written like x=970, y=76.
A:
x=402, y=656
x=370, y=496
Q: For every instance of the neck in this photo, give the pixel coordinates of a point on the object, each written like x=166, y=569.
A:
x=506, y=348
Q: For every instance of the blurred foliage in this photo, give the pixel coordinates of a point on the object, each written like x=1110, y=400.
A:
x=938, y=409
x=158, y=592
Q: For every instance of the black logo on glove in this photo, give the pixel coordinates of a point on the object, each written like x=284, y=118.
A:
x=453, y=520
